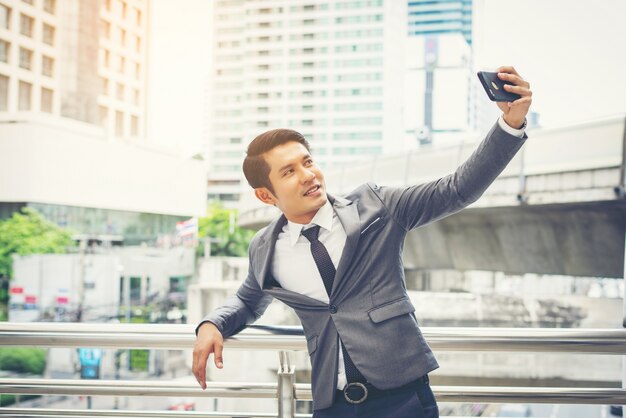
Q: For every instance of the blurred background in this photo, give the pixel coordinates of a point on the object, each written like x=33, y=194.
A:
x=124, y=123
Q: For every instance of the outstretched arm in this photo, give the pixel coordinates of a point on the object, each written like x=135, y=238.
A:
x=420, y=204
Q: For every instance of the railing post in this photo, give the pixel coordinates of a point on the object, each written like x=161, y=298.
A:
x=286, y=386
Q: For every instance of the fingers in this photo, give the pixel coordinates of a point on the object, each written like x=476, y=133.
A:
x=522, y=91
x=514, y=78
x=208, y=341
x=199, y=366
x=217, y=355
x=507, y=69
x=523, y=101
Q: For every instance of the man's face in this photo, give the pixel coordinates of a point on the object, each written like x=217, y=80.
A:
x=299, y=188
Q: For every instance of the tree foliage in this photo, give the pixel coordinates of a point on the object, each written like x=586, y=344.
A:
x=221, y=224
x=23, y=360
x=29, y=233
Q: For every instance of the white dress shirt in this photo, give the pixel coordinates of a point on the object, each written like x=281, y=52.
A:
x=293, y=265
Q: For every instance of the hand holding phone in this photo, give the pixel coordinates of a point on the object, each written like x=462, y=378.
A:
x=495, y=87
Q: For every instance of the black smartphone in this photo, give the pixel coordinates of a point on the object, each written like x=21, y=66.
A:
x=495, y=87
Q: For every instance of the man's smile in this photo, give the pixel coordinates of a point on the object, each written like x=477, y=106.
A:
x=313, y=190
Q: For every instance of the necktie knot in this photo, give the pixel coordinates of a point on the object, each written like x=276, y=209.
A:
x=312, y=233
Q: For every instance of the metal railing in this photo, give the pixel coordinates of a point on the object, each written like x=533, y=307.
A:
x=285, y=390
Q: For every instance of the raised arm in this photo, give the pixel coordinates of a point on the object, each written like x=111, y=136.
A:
x=420, y=204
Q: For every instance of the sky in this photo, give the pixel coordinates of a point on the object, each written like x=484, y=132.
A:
x=179, y=45
x=573, y=53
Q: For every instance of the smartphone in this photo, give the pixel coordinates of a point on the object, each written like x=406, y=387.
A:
x=494, y=87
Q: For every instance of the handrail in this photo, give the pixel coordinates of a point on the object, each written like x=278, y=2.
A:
x=165, y=336
x=285, y=390
x=77, y=413
x=484, y=394
x=480, y=394
x=103, y=387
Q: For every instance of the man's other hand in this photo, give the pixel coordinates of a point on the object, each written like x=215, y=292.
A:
x=515, y=112
x=209, y=341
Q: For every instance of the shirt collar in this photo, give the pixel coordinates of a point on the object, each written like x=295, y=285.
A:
x=323, y=218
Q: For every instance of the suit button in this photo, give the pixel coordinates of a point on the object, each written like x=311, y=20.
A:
x=333, y=309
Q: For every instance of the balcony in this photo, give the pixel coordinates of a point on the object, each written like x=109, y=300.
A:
x=285, y=391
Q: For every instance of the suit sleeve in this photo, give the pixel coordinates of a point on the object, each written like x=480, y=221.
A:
x=242, y=309
x=419, y=205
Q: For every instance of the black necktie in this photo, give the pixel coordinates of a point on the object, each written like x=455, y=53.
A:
x=327, y=271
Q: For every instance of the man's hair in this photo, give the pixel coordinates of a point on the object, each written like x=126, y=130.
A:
x=255, y=168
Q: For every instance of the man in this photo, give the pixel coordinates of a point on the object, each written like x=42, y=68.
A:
x=337, y=262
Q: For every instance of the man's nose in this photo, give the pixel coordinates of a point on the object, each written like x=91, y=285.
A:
x=307, y=175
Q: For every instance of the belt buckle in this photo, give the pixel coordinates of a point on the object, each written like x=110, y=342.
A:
x=355, y=384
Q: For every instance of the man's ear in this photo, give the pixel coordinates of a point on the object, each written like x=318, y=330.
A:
x=265, y=196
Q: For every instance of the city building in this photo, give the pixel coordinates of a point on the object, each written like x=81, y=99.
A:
x=331, y=70
x=436, y=17
x=79, y=60
x=72, y=114
x=440, y=81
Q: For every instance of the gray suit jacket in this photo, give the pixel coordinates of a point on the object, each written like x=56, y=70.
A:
x=369, y=308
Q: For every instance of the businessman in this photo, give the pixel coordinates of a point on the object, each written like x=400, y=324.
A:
x=337, y=261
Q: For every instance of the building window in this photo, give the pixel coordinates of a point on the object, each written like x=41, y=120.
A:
x=119, y=123
x=137, y=44
x=122, y=37
x=119, y=92
x=48, y=34
x=105, y=57
x=26, y=58
x=121, y=65
x=137, y=71
x=136, y=97
x=107, y=5
x=5, y=16
x=46, y=100
x=104, y=86
x=138, y=17
x=49, y=6
x=28, y=2
x=123, y=10
x=104, y=115
x=134, y=125
x=4, y=50
x=25, y=95
x=105, y=29
x=26, y=25
x=4, y=92
x=47, y=66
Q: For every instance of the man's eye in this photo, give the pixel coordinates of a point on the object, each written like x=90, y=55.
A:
x=309, y=161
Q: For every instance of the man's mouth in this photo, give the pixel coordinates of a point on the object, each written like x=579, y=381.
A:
x=313, y=190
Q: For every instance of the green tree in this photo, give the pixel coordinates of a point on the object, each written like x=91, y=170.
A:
x=221, y=224
x=23, y=360
x=27, y=233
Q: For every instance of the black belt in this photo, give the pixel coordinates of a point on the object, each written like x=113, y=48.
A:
x=358, y=392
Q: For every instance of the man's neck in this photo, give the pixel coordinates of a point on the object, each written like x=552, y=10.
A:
x=303, y=219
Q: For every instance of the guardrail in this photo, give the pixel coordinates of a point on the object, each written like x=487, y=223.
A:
x=286, y=391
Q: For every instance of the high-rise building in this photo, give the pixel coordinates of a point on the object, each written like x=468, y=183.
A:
x=439, y=81
x=75, y=59
x=72, y=108
x=122, y=67
x=29, y=57
x=331, y=70
x=436, y=17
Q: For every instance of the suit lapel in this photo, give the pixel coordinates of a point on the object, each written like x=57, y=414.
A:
x=265, y=255
x=348, y=215
x=265, y=250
